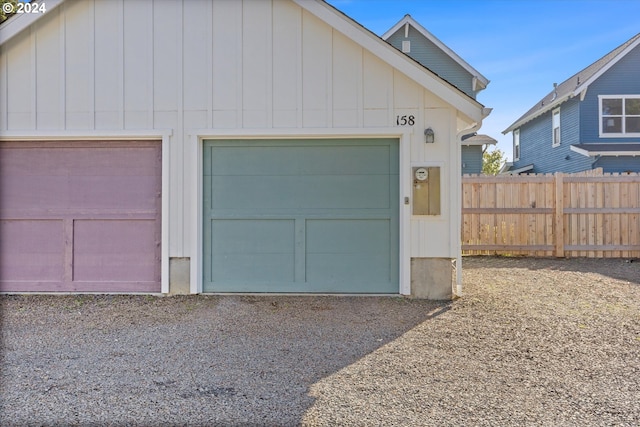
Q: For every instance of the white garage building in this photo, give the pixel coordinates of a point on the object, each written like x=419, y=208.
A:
x=223, y=146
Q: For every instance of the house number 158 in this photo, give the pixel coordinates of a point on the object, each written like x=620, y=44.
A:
x=405, y=120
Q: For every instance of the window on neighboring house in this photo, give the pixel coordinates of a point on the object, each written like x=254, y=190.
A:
x=620, y=115
x=555, y=123
x=516, y=144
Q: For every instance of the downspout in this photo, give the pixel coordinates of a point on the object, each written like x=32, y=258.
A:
x=473, y=128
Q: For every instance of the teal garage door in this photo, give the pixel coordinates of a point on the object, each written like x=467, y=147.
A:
x=301, y=216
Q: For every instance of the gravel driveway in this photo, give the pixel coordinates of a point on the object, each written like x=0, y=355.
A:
x=533, y=342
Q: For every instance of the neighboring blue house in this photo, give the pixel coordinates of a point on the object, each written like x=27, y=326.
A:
x=415, y=41
x=589, y=121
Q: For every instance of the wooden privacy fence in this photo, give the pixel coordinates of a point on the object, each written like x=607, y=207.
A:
x=579, y=215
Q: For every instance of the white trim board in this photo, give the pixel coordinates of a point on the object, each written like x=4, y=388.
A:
x=588, y=153
x=196, y=157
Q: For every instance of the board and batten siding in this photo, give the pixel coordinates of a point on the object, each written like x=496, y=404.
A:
x=113, y=65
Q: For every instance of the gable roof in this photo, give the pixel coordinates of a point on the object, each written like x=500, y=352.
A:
x=389, y=54
x=576, y=84
x=482, y=81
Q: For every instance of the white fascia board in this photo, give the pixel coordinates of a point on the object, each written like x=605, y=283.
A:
x=538, y=113
x=429, y=36
x=401, y=23
x=477, y=84
x=16, y=23
x=505, y=167
x=579, y=151
x=390, y=55
x=519, y=170
x=604, y=153
x=446, y=49
x=606, y=67
x=465, y=143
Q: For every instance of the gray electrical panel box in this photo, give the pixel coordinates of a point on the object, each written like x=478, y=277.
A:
x=426, y=190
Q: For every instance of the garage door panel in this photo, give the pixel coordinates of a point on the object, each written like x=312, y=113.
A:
x=115, y=161
x=349, y=160
x=79, y=192
x=33, y=177
x=115, y=250
x=356, y=252
x=254, y=250
x=304, y=192
x=33, y=192
x=356, y=273
x=309, y=158
x=348, y=236
x=346, y=192
x=231, y=269
x=88, y=159
x=258, y=161
x=113, y=192
x=31, y=250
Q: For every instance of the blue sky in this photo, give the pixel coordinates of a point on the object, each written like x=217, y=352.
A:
x=521, y=46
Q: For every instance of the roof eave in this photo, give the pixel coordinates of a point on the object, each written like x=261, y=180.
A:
x=520, y=170
x=588, y=153
x=468, y=106
x=607, y=66
x=415, y=24
x=538, y=113
x=479, y=143
x=16, y=24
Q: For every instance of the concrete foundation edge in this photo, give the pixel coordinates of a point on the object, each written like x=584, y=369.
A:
x=432, y=278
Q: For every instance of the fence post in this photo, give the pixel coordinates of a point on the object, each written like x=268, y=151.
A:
x=559, y=216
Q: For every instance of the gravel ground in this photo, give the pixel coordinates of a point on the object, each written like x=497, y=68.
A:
x=532, y=342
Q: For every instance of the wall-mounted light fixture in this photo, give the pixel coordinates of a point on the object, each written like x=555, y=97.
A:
x=429, y=136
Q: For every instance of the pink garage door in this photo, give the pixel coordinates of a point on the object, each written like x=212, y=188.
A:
x=80, y=216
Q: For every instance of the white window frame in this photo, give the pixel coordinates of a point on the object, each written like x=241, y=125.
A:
x=516, y=145
x=623, y=116
x=555, y=125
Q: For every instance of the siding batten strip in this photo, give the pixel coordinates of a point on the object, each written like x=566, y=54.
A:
x=63, y=66
x=34, y=77
x=121, y=34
